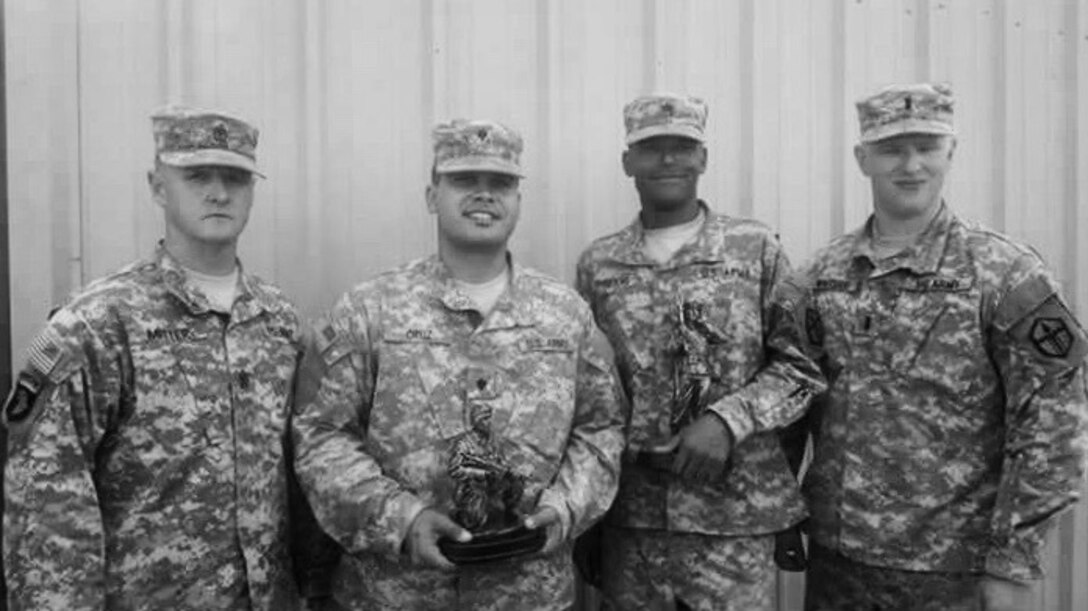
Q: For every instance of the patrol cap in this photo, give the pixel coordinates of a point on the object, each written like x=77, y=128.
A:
x=186, y=137
x=464, y=145
x=665, y=114
x=921, y=108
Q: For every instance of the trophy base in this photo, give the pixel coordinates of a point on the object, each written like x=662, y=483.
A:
x=650, y=459
x=494, y=545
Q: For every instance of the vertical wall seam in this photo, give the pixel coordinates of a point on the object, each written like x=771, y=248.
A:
x=746, y=53
x=838, y=116
x=1001, y=120
x=543, y=115
x=649, y=48
x=427, y=71
x=81, y=202
x=922, y=41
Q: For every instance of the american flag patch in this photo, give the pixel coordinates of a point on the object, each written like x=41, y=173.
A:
x=45, y=351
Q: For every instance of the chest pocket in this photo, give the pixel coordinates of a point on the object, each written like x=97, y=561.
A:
x=624, y=308
x=178, y=428
x=721, y=305
x=937, y=329
x=543, y=376
x=417, y=392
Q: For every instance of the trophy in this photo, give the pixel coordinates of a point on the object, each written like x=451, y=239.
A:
x=691, y=378
x=486, y=493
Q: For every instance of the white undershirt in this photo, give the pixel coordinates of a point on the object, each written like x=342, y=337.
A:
x=220, y=290
x=485, y=294
x=661, y=244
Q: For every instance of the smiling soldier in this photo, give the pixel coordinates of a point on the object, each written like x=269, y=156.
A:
x=460, y=368
x=689, y=299
x=952, y=432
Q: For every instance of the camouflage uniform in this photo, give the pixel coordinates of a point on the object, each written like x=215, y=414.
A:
x=761, y=381
x=953, y=428
x=146, y=466
x=382, y=395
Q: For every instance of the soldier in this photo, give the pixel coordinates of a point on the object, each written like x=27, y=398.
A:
x=952, y=432
x=688, y=298
x=147, y=431
x=455, y=366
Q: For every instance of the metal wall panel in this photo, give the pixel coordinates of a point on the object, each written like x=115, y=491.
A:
x=346, y=91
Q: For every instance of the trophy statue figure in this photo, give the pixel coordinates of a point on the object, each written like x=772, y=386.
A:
x=692, y=378
x=486, y=491
x=691, y=368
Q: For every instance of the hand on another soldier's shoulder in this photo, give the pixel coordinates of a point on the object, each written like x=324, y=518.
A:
x=427, y=528
x=703, y=450
x=1004, y=595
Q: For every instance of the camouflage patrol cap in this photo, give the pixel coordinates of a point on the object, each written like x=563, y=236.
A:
x=476, y=146
x=665, y=114
x=921, y=108
x=187, y=137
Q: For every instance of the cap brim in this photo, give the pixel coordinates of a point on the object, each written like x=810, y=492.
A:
x=188, y=159
x=479, y=164
x=668, y=129
x=914, y=126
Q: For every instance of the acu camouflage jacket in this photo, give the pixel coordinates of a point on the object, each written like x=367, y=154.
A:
x=761, y=378
x=953, y=430
x=147, y=434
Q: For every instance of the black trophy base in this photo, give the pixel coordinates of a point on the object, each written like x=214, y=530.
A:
x=653, y=460
x=494, y=545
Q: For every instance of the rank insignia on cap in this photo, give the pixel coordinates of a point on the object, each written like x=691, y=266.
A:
x=665, y=114
x=476, y=146
x=187, y=137
x=921, y=108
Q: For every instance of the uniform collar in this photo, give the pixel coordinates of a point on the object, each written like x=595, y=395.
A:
x=252, y=298
x=923, y=257
x=509, y=311
x=707, y=247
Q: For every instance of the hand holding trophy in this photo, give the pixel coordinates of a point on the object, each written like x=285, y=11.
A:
x=486, y=494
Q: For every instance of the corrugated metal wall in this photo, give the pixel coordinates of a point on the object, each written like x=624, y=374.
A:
x=347, y=90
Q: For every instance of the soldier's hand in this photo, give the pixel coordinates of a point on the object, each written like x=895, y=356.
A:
x=1003, y=595
x=547, y=517
x=423, y=535
x=703, y=450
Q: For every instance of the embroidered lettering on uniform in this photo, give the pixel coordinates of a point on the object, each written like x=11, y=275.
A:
x=172, y=336
x=938, y=285
x=724, y=271
x=548, y=344
x=832, y=284
x=420, y=334
x=1052, y=337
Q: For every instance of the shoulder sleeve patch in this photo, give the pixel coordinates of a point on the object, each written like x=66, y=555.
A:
x=1053, y=331
x=22, y=399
